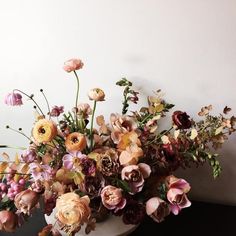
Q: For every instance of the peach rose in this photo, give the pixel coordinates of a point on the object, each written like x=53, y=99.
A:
x=26, y=200
x=112, y=198
x=75, y=142
x=72, y=65
x=44, y=131
x=8, y=221
x=96, y=94
x=73, y=209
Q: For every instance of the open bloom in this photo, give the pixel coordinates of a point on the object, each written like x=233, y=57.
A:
x=176, y=194
x=112, y=198
x=72, y=65
x=40, y=172
x=181, y=120
x=13, y=99
x=73, y=209
x=157, y=209
x=8, y=221
x=56, y=111
x=75, y=142
x=96, y=94
x=72, y=160
x=26, y=200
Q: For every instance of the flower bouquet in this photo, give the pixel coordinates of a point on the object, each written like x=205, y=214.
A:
x=86, y=168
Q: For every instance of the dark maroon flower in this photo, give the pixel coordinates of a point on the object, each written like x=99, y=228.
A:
x=181, y=120
x=168, y=151
x=88, y=166
x=133, y=213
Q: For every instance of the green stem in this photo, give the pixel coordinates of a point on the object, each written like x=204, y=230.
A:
x=91, y=128
x=77, y=98
x=7, y=146
x=30, y=97
x=46, y=103
x=159, y=136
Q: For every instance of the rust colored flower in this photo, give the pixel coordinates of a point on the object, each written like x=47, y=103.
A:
x=73, y=209
x=181, y=120
x=26, y=200
x=8, y=221
x=75, y=142
x=44, y=131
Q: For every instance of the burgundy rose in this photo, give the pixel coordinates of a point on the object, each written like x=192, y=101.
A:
x=181, y=120
x=133, y=213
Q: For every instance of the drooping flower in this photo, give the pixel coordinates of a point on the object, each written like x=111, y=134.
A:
x=26, y=200
x=75, y=142
x=133, y=213
x=56, y=111
x=157, y=209
x=112, y=198
x=13, y=99
x=73, y=210
x=72, y=65
x=44, y=131
x=8, y=221
x=72, y=160
x=181, y=120
x=135, y=175
x=176, y=194
x=96, y=94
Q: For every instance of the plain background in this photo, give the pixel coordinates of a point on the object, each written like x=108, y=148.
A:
x=185, y=47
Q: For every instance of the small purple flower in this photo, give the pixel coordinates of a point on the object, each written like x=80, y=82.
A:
x=72, y=160
x=56, y=111
x=13, y=99
x=28, y=156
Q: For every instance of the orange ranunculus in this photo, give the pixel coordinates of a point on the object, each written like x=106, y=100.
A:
x=44, y=131
x=73, y=209
x=75, y=142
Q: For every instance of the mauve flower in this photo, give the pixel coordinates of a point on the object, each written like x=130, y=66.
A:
x=8, y=221
x=181, y=120
x=72, y=160
x=176, y=194
x=73, y=209
x=133, y=213
x=28, y=156
x=157, y=209
x=13, y=99
x=72, y=65
x=84, y=110
x=112, y=198
x=135, y=175
x=26, y=200
x=96, y=94
x=56, y=111
x=88, y=166
x=41, y=172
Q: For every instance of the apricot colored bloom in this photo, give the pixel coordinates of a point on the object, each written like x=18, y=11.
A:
x=13, y=99
x=73, y=209
x=44, y=131
x=75, y=142
x=72, y=65
x=96, y=94
x=112, y=198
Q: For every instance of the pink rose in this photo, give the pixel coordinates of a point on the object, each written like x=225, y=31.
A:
x=72, y=65
x=112, y=198
x=13, y=99
x=157, y=209
x=135, y=175
x=176, y=194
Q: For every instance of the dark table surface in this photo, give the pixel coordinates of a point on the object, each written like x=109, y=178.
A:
x=200, y=219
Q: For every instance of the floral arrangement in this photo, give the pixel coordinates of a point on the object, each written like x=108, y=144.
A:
x=87, y=168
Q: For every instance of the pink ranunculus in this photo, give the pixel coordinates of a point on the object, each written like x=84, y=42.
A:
x=157, y=209
x=13, y=99
x=176, y=194
x=135, y=175
x=112, y=198
x=72, y=65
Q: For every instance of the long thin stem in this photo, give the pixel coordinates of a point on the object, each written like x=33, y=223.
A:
x=7, y=146
x=46, y=102
x=19, y=132
x=76, y=99
x=91, y=127
x=17, y=173
x=30, y=97
x=159, y=136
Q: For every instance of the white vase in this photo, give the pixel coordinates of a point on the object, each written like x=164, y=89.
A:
x=112, y=226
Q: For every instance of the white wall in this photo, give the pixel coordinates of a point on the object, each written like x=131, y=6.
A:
x=185, y=47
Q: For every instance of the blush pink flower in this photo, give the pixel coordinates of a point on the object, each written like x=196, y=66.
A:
x=72, y=65
x=112, y=198
x=13, y=99
x=71, y=161
x=40, y=172
x=157, y=209
x=135, y=175
x=176, y=194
